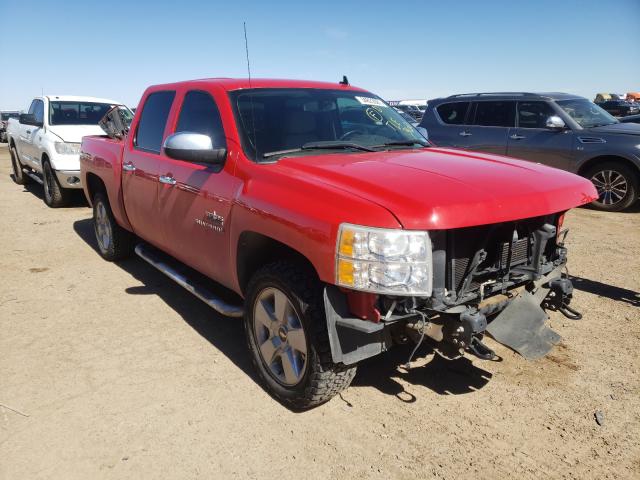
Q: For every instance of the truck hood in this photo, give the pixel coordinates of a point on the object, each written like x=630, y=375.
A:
x=444, y=188
x=74, y=133
x=623, y=128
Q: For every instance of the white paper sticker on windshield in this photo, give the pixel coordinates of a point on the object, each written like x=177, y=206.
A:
x=371, y=101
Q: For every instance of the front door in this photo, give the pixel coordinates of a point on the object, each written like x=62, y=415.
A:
x=533, y=141
x=195, y=198
x=27, y=147
x=141, y=167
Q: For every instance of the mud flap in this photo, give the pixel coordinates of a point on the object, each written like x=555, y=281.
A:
x=521, y=327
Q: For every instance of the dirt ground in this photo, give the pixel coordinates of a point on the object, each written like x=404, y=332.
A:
x=111, y=371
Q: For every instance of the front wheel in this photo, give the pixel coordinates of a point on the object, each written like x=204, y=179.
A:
x=617, y=186
x=54, y=195
x=287, y=336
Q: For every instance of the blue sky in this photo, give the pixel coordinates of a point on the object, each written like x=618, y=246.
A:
x=397, y=49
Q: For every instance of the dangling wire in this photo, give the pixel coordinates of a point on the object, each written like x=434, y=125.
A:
x=423, y=324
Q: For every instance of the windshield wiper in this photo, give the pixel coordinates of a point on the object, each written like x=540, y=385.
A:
x=405, y=143
x=328, y=145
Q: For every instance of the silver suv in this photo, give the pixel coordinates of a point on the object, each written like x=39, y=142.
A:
x=557, y=129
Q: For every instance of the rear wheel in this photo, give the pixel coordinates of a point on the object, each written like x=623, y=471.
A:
x=114, y=242
x=287, y=336
x=18, y=175
x=617, y=186
x=54, y=195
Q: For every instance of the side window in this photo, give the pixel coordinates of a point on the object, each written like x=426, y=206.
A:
x=32, y=107
x=534, y=114
x=495, y=114
x=200, y=114
x=38, y=110
x=453, y=113
x=153, y=120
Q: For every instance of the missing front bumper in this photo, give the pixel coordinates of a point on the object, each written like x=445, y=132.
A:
x=519, y=325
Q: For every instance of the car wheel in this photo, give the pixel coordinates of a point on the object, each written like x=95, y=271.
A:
x=18, y=175
x=54, y=195
x=617, y=186
x=114, y=242
x=287, y=336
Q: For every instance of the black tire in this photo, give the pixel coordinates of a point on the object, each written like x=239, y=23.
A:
x=322, y=379
x=54, y=195
x=18, y=175
x=120, y=242
x=611, y=199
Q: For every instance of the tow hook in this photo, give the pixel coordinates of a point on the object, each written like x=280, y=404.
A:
x=461, y=331
x=480, y=350
x=559, y=297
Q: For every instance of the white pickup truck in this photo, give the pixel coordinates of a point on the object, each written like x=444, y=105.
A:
x=45, y=142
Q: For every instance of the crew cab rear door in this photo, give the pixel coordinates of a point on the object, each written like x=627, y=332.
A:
x=490, y=122
x=142, y=163
x=195, y=198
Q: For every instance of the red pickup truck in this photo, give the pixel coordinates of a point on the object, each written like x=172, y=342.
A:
x=338, y=228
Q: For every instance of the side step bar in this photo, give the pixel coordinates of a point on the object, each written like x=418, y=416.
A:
x=219, y=305
x=32, y=175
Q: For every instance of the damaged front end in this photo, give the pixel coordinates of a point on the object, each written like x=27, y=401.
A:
x=493, y=279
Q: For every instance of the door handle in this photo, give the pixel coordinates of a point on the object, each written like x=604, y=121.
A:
x=129, y=167
x=167, y=180
x=465, y=134
x=515, y=136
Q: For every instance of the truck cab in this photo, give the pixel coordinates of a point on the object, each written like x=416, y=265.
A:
x=45, y=142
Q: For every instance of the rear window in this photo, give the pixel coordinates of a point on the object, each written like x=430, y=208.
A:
x=77, y=113
x=153, y=120
x=453, y=113
x=495, y=114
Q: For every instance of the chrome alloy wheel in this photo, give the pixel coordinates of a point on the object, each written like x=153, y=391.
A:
x=102, y=227
x=280, y=336
x=611, y=185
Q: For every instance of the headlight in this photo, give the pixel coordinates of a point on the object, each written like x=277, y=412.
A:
x=65, y=148
x=389, y=261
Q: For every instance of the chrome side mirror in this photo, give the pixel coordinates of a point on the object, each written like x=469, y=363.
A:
x=554, y=122
x=193, y=147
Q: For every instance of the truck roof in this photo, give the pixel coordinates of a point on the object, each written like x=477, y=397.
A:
x=244, y=83
x=77, y=98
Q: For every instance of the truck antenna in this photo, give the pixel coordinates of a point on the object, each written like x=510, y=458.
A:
x=253, y=120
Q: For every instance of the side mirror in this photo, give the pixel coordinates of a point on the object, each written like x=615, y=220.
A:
x=29, y=119
x=554, y=122
x=193, y=147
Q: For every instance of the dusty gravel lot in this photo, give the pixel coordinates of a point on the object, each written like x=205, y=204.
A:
x=117, y=373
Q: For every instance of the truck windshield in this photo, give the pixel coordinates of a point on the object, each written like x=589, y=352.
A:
x=274, y=122
x=586, y=113
x=77, y=113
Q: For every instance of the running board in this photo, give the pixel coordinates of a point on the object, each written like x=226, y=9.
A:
x=32, y=175
x=204, y=294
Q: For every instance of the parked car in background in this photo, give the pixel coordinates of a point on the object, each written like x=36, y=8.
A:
x=4, y=120
x=412, y=110
x=620, y=108
x=337, y=230
x=557, y=129
x=407, y=117
x=630, y=119
x=633, y=97
x=45, y=142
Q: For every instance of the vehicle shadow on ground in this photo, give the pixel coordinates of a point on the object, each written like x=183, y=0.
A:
x=605, y=290
x=224, y=333
x=77, y=196
x=443, y=376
